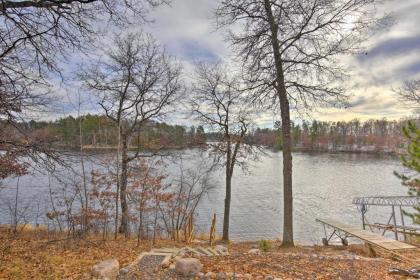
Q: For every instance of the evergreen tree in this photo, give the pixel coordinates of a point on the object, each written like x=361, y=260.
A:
x=411, y=160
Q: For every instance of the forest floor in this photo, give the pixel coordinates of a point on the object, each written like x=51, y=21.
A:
x=34, y=255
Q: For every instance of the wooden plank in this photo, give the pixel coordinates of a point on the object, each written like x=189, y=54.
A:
x=370, y=237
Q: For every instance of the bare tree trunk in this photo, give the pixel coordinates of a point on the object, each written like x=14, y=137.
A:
x=82, y=162
x=287, y=175
x=118, y=182
x=228, y=194
x=15, y=214
x=140, y=229
x=123, y=186
x=287, y=141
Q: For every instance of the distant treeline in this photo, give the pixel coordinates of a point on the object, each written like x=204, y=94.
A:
x=95, y=131
x=352, y=136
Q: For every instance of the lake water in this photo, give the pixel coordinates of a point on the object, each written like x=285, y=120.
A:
x=324, y=186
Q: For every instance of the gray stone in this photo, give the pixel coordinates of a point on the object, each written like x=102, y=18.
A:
x=254, y=251
x=269, y=277
x=177, y=258
x=210, y=275
x=107, y=269
x=124, y=271
x=188, y=267
x=221, y=275
x=222, y=248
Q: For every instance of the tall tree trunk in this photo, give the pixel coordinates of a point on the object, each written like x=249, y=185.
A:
x=287, y=173
x=287, y=141
x=228, y=195
x=123, y=186
x=85, y=218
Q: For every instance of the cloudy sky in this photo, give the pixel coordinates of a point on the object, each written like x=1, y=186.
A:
x=392, y=56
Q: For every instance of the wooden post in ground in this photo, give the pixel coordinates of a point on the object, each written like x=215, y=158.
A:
x=186, y=232
x=213, y=230
x=191, y=229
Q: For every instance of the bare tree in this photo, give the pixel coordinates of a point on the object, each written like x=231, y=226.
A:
x=218, y=102
x=186, y=191
x=136, y=83
x=34, y=36
x=410, y=93
x=290, y=52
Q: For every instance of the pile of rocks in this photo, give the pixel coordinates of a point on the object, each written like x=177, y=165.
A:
x=180, y=262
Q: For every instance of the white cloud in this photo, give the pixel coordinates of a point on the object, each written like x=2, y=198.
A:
x=187, y=30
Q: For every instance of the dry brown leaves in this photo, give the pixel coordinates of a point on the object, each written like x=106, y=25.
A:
x=29, y=256
x=303, y=263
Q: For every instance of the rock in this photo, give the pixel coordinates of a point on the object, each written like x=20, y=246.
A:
x=221, y=248
x=107, y=269
x=259, y=277
x=210, y=275
x=177, y=258
x=269, y=277
x=188, y=267
x=397, y=271
x=124, y=271
x=172, y=267
x=221, y=275
x=247, y=276
x=229, y=274
x=254, y=251
x=200, y=275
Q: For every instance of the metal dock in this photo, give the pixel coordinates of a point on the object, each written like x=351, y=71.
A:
x=343, y=231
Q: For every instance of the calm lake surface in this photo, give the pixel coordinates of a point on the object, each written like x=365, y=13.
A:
x=324, y=186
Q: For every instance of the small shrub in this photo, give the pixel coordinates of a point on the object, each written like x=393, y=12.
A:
x=264, y=245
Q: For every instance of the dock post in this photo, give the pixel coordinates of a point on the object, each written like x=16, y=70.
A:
x=363, y=211
x=395, y=222
x=403, y=224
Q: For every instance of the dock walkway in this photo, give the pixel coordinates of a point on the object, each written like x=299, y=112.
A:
x=367, y=236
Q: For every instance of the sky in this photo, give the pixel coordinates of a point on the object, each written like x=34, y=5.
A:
x=391, y=56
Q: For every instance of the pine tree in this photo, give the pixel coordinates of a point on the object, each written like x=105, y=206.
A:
x=411, y=161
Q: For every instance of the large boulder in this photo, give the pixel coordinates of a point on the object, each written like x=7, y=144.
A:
x=188, y=267
x=106, y=270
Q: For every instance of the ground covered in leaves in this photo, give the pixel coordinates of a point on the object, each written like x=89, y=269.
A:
x=305, y=263
x=34, y=255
